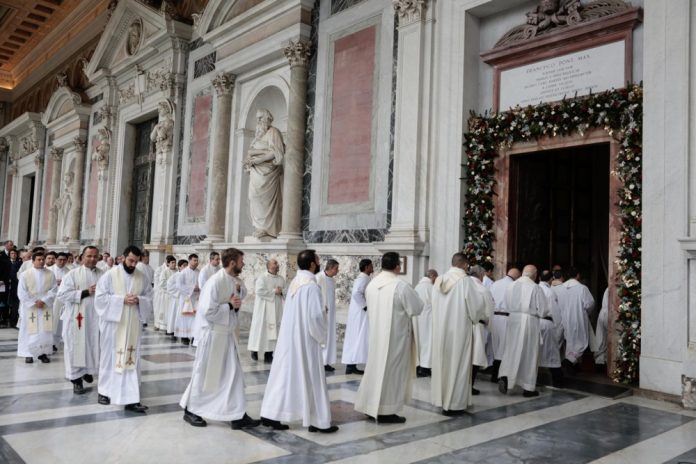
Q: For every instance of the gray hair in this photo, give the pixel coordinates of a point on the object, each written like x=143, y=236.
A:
x=477, y=271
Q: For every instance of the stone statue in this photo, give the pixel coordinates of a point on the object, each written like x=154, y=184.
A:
x=162, y=134
x=264, y=162
x=135, y=32
x=101, y=153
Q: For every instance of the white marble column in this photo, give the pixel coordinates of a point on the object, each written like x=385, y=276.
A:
x=76, y=211
x=39, y=164
x=224, y=86
x=56, y=168
x=297, y=54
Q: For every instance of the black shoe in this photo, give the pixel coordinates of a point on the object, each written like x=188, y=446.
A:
x=245, y=422
x=144, y=325
x=254, y=356
x=28, y=360
x=169, y=334
x=88, y=378
x=44, y=359
x=352, y=369
x=453, y=412
x=78, y=388
x=185, y=340
x=274, y=424
x=391, y=419
x=105, y=400
x=423, y=372
x=268, y=357
x=530, y=394
x=502, y=385
x=331, y=429
x=136, y=407
x=193, y=419
x=329, y=368
x=55, y=349
x=475, y=391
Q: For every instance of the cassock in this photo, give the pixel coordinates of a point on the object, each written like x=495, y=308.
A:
x=203, y=275
x=150, y=274
x=59, y=273
x=391, y=366
x=551, y=330
x=356, y=338
x=172, y=313
x=188, y=292
x=457, y=308
x=500, y=316
x=119, y=333
x=268, y=310
x=80, y=323
x=526, y=303
x=216, y=389
x=600, y=345
x=162, y=298
x=576, y=303
x=328, y=302
x=35, y=324
x=422, y=324
x=483, y=349
x=296, y=387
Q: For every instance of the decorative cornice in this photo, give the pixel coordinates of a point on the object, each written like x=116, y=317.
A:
x=224, y=84
x=298, y=53
x=409, y=11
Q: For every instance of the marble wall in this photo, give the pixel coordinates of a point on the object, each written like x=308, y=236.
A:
x=198, y=159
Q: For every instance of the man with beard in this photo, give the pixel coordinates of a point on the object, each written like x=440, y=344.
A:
x=216, y=390
x=327, y=285
x=60, y=270
x=268, y=309
x=188, y=291
x=264, y=163
x=296, y=387
x=80, y=321
x=355, y=343
x=122, y=298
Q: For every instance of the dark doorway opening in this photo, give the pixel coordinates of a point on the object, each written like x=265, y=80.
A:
x=30, y=213
x=143, y=182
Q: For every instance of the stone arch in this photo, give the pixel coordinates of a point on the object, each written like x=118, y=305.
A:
x=218, y=12
x=272, y=95
x=62, y=102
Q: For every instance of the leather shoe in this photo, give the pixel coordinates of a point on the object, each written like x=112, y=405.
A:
x=268, y=357
x=136, y=407
x=55, y=349
x=254, y=356
x=28, y=360
x=105, y=400
x=44, y=359
x=185, y=341
x=390, y=419
x=274, y=424
x=502, y=385
x=453, y=412
x=329, y=368
x=530, y=394
x=475, y=391
x=194, y=419
x=423, y=372
x=78, y=388
x=88, y=378
x=352, y=369
x=245, y=422
x=332, y=429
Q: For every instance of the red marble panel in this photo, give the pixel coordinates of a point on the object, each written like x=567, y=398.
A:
x=92, y=188
x=48, y=180
x=8, y=202
x=198, y=167
x=351, y=117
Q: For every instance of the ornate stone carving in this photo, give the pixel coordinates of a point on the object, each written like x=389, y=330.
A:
x=552, y=15
x=409, y=10
x=28, y=145
x=135, y=36
x=168, y=10
x=688, y=392
x=160, y=79
x=106, y=114
x=62, y=79
x=162, y=135
x=38, y=160
x=12, y=169
x=110, y=9
x=80, y=144
x=56, y=153
x=4, y=148
x=126, y=94
x=298, y=52
x=224, y=83
x=101, y=153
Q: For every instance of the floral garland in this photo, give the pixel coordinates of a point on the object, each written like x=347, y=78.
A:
x=620, y=113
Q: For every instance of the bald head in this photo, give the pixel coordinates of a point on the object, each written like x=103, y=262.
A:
x=514, y=273
x=459, y=260
x=530, y=271
x=272, y=266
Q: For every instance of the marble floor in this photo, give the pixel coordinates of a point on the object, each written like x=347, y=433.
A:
x=42, y=421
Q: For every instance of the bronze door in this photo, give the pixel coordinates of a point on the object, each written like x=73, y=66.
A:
x=143, y=184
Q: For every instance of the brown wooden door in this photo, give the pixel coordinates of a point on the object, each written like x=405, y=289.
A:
x=143, y=183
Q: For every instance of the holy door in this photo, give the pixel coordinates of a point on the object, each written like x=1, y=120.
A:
x=143, y=182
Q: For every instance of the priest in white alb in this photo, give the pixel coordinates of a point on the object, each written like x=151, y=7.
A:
x=162, y=300
x=457, y=308
x=122, y=298
x=391, y=365
x=296, y=388
x=267, y=313
x=602, y=333
x=216, y=389
x=356, y=338
x=188, y=291
x=551, y=328
x=498, y=324
x=60, y=270
x=423, y=324
x=576, y=303
x=205, y=273
x=36, y=291
x=80, y=321
x=483, y=349
x=326, y=282
x=173, y=291
x=526, y=303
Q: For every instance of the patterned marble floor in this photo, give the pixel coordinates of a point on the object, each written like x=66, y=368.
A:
x=42, y=421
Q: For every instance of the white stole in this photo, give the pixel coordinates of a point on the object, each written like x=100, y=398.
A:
x=33, y=316
x=129, y=326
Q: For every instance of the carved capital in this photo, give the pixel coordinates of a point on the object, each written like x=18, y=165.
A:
x=62, y=79
x=298, y=53
x=38, y=160
x=4, y=148
x=80, y=144
x=224, y=84
x=56, y=154
x=409, y=10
